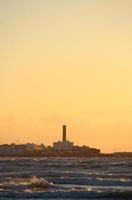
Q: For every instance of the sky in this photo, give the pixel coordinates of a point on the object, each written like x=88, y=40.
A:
x=66, y=62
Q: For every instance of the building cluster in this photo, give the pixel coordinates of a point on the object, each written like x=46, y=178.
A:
x=63, y=147
x=20, y=149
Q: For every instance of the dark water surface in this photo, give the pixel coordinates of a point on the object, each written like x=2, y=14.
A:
x=66, y=178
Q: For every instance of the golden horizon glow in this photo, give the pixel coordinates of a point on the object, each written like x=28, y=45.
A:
x=66, y=62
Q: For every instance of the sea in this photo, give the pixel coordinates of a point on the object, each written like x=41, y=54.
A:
x=66, y=178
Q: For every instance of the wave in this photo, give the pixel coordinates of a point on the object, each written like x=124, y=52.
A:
x=92, y=181
x=21, y=183
x=39, y=183
x=83, y=194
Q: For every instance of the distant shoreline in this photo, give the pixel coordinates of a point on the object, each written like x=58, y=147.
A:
x=117, y=155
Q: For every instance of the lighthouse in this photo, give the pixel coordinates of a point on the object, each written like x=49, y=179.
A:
x=64, y=133
x=64, y=144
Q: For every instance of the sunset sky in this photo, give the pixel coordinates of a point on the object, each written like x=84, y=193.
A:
x=66, y=61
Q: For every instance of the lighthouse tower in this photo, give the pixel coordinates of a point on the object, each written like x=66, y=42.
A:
x=64, y=133
x=63, y=145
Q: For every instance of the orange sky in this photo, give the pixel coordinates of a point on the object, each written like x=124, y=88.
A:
x=66, y=62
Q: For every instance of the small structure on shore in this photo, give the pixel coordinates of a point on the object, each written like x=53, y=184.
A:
x=64, y=144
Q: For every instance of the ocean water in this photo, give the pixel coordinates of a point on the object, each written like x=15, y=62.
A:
x=66, y=178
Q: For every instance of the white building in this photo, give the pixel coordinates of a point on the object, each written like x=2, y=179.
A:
x=63, y=145
x=12, y=149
